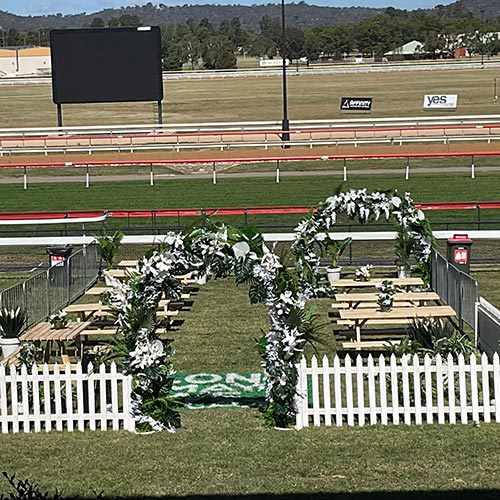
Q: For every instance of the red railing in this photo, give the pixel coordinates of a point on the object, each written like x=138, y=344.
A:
x=198, y=212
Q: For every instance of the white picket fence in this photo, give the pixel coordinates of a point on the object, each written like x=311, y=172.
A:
x=60, y=399
x=408, y=390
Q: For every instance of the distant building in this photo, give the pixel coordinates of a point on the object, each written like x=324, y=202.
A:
x=24, y=61
x=408, y=51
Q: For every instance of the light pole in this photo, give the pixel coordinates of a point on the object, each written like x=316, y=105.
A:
x=482, y=39
x=297, y=29
x=285, y=124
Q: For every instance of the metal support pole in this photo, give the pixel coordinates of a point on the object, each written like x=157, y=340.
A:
x=87, y=177
x=160, y=113
x=25, y=177
x=285, y=125
x=277, y=171
x=345, y=170
x=472, y=169
x=59, y=116
x=214, y=174
x=151, y=175
x=407, y=168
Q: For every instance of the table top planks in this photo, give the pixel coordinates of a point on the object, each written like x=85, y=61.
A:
x=352, y=283
x=398, y=313
x=373, y=297
x=44, y=332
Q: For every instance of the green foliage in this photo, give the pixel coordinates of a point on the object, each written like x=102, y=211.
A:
x=333, y=249
x=257, y=292
x=404, y=246
x=27, y=490
x=29, y=354
x=434, y=336
x=108, y=246
x=12, y=322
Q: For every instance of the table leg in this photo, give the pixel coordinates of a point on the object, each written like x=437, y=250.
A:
x=358, y=331
x=64, y=352
x=48, y=350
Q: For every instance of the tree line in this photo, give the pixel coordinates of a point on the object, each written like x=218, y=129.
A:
x=203, y=45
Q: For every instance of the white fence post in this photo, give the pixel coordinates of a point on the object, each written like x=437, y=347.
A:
x=408, y=390
x=38, y=399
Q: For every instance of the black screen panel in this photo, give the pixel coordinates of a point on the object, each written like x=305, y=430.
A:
x=106, y=65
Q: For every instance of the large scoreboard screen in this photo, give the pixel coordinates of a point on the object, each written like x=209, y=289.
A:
x=106, y=65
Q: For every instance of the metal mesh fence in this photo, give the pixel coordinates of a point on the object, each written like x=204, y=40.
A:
x=488, y=327
x=55, y=287
x=456, y=288
x=376, y=252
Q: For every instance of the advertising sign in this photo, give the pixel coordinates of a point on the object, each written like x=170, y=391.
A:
x=356, y=104
x=441, y=101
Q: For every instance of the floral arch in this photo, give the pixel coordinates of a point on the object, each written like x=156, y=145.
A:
x=218, y=251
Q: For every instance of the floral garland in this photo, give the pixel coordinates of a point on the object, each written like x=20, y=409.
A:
x=365, y=207
x=218, y=251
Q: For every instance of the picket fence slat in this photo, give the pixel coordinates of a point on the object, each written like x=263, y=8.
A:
x=326, y=392
x=34, y=400
x=407, y=390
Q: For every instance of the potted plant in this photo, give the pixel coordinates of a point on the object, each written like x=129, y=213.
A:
x=334, y=250
x=404, y=246
x=12, y=324
x=363, y=273
x=108, y=247
x=58, y=320
x=385, y=297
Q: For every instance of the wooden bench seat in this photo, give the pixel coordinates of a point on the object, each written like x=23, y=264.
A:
x=369, y=305
x=369, y=344
x=351, y=323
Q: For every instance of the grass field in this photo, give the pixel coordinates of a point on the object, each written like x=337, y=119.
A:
x=293, y=190
x=259, y=98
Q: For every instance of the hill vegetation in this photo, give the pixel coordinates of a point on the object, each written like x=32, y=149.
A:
x=303, y=14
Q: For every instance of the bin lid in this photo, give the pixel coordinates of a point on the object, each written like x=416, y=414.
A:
x=460, y=238
x=60, y=250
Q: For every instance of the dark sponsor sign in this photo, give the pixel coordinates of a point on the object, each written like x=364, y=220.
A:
x=106, y=65
x=356, y=104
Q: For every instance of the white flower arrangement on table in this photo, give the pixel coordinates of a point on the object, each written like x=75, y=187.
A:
x=364, y=273
x=58, y=320
x=385, y=297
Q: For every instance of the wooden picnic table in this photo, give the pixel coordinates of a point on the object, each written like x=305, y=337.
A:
x=99, y=290
x=120, y=274
x=43, y=332
x=353, y=300
x=85, y=312
x=360, y=317
x=349, y=284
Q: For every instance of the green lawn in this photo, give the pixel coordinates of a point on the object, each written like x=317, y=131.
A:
x=293, y=190
x=228, y=452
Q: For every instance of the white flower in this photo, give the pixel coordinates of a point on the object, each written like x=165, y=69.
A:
x=396, y=201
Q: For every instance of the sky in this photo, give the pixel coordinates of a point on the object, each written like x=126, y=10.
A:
x=43, y=7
